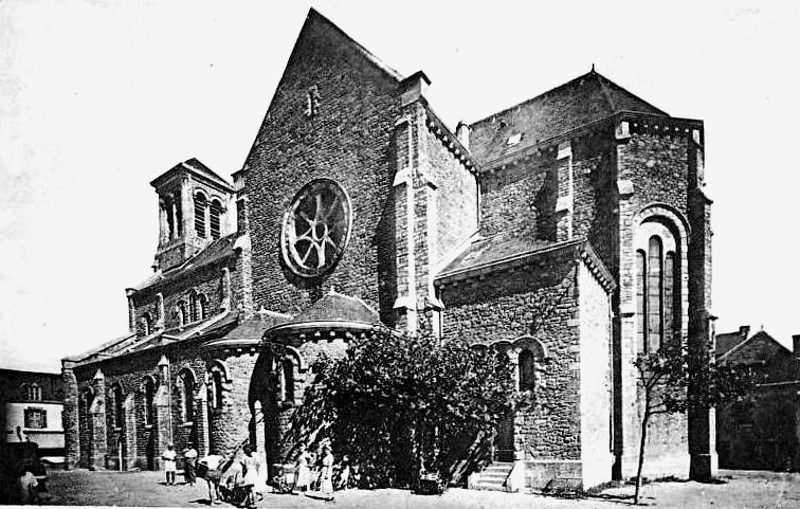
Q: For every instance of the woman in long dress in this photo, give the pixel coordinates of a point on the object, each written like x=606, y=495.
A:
x=301, y=472
x=326, y=474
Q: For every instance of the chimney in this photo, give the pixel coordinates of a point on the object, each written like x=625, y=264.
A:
x=744, y=331
x=796, y=345
x=462, y=134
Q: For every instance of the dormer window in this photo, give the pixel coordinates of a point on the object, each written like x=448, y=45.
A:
x=514, y=139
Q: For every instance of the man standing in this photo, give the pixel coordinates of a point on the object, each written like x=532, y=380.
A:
x=190, y=464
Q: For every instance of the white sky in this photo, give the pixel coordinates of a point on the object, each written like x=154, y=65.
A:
x=98, y=98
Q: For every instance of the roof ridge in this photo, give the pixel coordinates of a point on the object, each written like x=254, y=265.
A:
x=569, y=83
x=741, y=344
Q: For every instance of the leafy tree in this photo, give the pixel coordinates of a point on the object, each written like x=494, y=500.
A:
x=399, y=405
x=665, y=376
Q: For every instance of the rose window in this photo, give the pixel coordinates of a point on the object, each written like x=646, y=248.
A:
x=316, y=228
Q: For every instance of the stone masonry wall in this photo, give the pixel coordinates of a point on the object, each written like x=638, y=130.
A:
x=348, y=139
x=539, y=300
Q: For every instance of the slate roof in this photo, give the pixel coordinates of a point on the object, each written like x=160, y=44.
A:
x=217, y=250
x=579, y=102
x=758, y=348
x=485, y=255
x=193, y=165
x=334, y=310
x=726, y=341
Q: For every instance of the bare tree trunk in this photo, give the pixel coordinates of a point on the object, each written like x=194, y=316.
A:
x=642, y=443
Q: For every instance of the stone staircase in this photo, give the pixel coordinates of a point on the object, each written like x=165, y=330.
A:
x=494, y=476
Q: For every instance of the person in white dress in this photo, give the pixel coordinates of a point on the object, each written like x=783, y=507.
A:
x=169, y=464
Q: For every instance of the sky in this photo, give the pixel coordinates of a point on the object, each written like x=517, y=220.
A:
x=97, y=98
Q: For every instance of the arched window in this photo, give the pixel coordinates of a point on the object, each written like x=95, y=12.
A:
x=657, y=286
x=183, y=313
x=655, y=300
x=216, y=211
x=203, y=307
x=288, y=380
x=214, y=387
x=527, y=370
x=170, y=217
x=117, y=397
x=194, y=311
x=200, y=214
x=147, y=324
x=149, y=400
x=186, y=387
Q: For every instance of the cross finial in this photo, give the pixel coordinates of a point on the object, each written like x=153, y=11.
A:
x=592, y=66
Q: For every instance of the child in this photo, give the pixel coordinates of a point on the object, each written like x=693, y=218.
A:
x=169, y=464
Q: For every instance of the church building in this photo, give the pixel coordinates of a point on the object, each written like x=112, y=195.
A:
x=569, y=233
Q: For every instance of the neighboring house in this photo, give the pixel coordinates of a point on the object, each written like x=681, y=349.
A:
x=761, y=431
x=31, y=404
x=561, y=232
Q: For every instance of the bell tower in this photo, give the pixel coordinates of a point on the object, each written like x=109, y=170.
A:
x=193, y=212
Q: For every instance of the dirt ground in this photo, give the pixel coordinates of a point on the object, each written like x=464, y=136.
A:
x=736, y=489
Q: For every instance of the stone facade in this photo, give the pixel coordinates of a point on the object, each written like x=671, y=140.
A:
x=529, y=232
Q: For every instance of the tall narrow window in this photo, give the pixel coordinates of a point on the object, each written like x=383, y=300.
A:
x=200, y=214
x=216, y=211
x=669, y=295
x=183, y=313
x=655, y=311
x=170, y=217
x=116, y=394
x=216, y=381
x=641, y=302
x=194, y=312
x=288, y=380
x=240, y=215
x=187, y=396
x=149, y=401
x=527, y=371
x=178, y=213
x=203, y=307
x=147, y=324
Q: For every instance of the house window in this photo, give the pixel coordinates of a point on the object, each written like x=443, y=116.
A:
x=200, y=214
x=33, y=392
x=116, y=394
x=657, y=287
x=216, y=211
x=35, y=418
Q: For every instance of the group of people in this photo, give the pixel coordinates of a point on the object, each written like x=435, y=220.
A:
x=307, y=478
x=243, y=476
x=170, y=457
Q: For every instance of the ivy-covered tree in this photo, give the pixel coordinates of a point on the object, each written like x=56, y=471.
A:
x=664, y=379
x=400, y=405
